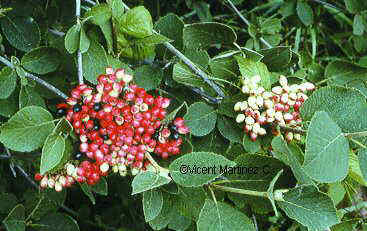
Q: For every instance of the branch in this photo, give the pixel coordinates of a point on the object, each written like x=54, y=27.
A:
x=80, y=57
x=191, y=65
x=37, y=79
x=353, y=208
x=234, y=8
x=205, y=95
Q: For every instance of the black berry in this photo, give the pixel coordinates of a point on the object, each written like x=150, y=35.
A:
x=78, y=155
x=172, y=128
x=97, y=107
x=96, y=127
x=105, y=137
x=61, y=112
x=77, y=108
x=175, y=135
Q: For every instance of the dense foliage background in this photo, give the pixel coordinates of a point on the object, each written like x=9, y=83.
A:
x=324, y=42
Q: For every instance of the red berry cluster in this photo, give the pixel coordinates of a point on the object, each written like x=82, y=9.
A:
x=117, y=124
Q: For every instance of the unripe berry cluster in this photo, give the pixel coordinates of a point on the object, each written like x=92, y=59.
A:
x=280, y=106
x=117, y=124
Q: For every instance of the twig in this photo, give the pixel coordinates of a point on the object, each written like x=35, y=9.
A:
x=37, y=79
x=28, y=178
x=195, y=69
x=191, y=65
x=205, y=95
x=255, y=223
x=234, y=8
x=4, y=157
x=56, y=32
x=358, y=143
x=90, y=2
x=356, y=134
x=80, y=57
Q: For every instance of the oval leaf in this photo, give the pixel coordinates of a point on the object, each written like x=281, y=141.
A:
x=309, y=207
x=147, y=180
x=222, y=217
x=204, y=35
x=27, y=129
x=41, y=60
x=326, y=156
x=52, y=153
x=22, y=33
x=8, y=82
x=200, y=118
x=152, y=204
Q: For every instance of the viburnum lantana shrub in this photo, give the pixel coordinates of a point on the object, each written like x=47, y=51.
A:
x=183, y=115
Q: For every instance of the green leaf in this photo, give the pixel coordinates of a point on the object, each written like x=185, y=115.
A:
x=22, y=33
x=72, y=38
x=52, y=153
x=276, y=58
x=355, y=172
x=200, y=118
x=222, y=217
x=58, y=222
x=7, y=203
x=63, y=127
x=336, y=192
x=84, y=42
x=148, y=180
x=326, y=156
x=198, y=168
x=358, y=25
x=9, y=106
x=189, y=202
x=182, y=74
x=137, y=22
x=288, y=156
x=256, y=172
x=179, y=223
x=15, y=221
x=249, y=69
x=305, y=13
x=224, y=67
x=152, y=204
x=249, y=145
x=99, y=14
x=229, y=129
x=29, y=97
x=41, y=60
x=88, y=192
x=117, y=9
x=152, y=40
x=8, y=82
x=227, y=104
x=345, y=106
x=94, y=62
x=204, y=35
x=148, y=77
x=27, y=129
x=164, y=217
x=101, y=187
x=270, y=26
x=355, y=6
x=170, y=26
x=311, y=208
x=342, y=72
x=362, y=157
